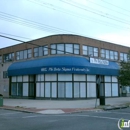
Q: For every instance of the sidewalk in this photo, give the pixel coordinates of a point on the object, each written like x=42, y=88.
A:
x=60, y=106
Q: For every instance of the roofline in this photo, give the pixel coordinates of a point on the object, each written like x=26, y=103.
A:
x=67, y=35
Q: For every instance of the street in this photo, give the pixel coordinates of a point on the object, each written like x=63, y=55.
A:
x=90, y=120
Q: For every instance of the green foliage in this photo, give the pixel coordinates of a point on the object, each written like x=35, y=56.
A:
x=124, y=72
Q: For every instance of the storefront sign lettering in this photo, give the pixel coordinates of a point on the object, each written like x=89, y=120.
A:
x=64, y=69
x=99, y=61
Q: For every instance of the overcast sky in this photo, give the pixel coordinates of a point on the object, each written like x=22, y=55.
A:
x=107, y=20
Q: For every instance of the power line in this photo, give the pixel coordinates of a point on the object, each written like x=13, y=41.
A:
x=14, y=35
x=56, y=8
x=116, y=6
x=108, y=8
x=95, y=12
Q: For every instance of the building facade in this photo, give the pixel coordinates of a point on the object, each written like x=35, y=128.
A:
x=62, y=67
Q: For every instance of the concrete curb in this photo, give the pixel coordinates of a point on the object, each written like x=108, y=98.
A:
x=51, y=111
x=115, y=107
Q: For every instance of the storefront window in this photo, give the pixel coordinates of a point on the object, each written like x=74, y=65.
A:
x=47, y=90
x=91, y=89
x=114, y=89
x=107, y=89
x=68, y=88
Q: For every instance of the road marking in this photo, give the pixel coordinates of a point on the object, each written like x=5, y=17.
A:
x=32, y=116
x=10, y=113
x=117, y=112
x=102, y=117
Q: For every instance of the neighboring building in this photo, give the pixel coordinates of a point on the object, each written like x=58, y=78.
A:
x=61, y=67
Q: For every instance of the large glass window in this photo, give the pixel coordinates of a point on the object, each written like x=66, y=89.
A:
x=47, y=89
x=69, y=48
x=125, y=57
x=90, y=51
x=115, y=55
x=103, y=53
x=107, y=89
x=25, y=54
x=25, y=89
x=109, y=54
x=114, y=89
x=76, y=90
x=91, y=89
x=53, y=49
x=54, y=90
x=107, y=78
x=82, y=90
x=61, y=90
x=13, y=89
x=68, y=89
x=25, y=78
x=29, y=53
x=121, y=57
x=31, y=89
x=78, y=77
x=64, y=48
x=45, y=50
x=14, y=79
x=95, y=52
x=40, y=51
x=64, y=77
x=50, y=77
x=40, y=89
x=79, y=90
x=85, y=50
x=60, y=48
x=8, y=57
x=76, y=49
x=91, y=78
x=40, y=77
x=35, y=52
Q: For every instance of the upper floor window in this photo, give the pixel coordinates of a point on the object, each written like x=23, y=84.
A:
x=40, y=51
x=0, y=59
x=8, y=57
x=5, y=74
x=90, y=51
x=65, y=48
x=109, y=54
x=123, y=57
x=25, y=54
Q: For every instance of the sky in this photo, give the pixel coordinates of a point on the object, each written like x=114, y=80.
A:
x=25, y=20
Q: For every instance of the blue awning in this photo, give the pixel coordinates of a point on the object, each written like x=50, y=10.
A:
x=62, y=64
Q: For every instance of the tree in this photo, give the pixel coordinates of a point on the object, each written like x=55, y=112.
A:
x=124, y=72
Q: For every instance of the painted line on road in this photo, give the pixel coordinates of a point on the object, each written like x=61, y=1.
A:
x=101, y=117
x=32, y=116
x=10, y=113
x=125, y=113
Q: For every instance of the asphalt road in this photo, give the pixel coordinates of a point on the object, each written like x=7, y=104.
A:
x=103, y=120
